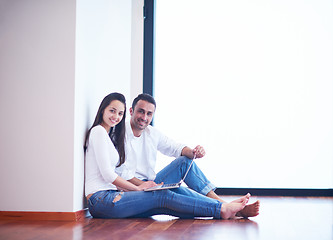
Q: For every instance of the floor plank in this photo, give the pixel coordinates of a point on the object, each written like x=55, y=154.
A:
x=280, y=218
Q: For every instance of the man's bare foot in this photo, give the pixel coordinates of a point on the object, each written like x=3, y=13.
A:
x=250, y=210
x=229, y=210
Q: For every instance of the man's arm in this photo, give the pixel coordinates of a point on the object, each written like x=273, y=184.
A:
x=136, y=181
x=199, y=151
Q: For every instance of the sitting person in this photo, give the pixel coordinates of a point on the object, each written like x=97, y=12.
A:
x=109, y=195
x=142, y=143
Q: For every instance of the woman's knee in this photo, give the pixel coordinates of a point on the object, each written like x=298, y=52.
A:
x=166, y=192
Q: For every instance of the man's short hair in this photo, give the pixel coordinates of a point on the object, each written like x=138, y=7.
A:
x=145, y=97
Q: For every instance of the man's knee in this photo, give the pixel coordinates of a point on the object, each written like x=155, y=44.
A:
x=183, y=161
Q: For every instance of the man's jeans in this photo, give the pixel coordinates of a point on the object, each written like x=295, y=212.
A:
x=195, y=178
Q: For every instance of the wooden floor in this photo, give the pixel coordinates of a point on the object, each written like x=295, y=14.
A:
x=280, y=218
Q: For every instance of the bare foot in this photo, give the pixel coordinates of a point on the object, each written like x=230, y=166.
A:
x=229, y=210
x=250, y=210
x=245, y=197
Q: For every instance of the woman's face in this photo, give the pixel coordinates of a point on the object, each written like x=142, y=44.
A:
x=113, y=114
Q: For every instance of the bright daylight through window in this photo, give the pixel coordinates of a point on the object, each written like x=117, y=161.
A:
x=251, y=81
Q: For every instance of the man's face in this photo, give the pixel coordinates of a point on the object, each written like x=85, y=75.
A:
x=142, y=115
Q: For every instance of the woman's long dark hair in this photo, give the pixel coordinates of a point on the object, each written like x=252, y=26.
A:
x=117, y=133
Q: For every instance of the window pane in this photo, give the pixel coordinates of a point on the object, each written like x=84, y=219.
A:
x=252, y=82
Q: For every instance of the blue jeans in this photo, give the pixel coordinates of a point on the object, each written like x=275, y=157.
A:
x=195, y=178
x=180, y=202
x=139, y=204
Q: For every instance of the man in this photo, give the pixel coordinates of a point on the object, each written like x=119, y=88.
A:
x=142, y=143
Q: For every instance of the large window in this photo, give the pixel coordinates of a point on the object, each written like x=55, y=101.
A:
x=251, y=81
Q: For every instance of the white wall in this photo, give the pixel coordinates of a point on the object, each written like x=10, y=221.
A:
x=37, y=75
x=107, y=60
x=137, y=49
x=58, y=59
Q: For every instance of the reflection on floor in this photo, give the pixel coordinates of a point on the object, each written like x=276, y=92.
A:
x=280, y=218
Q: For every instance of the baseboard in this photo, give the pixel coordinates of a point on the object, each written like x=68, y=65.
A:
x=276, y=192
x=43, y=216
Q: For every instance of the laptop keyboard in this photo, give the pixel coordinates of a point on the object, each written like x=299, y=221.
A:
x=170, y=185
x=165, y=185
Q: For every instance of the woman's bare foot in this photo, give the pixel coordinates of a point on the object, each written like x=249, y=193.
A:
x=245, y=197
x=229, y=210
x=250, y=210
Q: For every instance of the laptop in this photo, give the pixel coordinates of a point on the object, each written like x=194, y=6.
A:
x=170, y=185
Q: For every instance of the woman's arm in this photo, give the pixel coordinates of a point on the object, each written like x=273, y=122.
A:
x=107, y=158
x=128, y=186
x=136, y=181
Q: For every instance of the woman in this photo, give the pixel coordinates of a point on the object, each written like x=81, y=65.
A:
x=111, y=196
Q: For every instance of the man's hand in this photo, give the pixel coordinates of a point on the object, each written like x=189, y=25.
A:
x=199, y=152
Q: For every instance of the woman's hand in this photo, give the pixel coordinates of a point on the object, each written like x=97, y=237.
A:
x=147, y=184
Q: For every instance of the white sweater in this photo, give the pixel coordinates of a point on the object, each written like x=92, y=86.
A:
x=141, y=152
x=101, y=160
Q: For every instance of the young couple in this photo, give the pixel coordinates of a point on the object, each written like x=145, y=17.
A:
x=120, y=160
